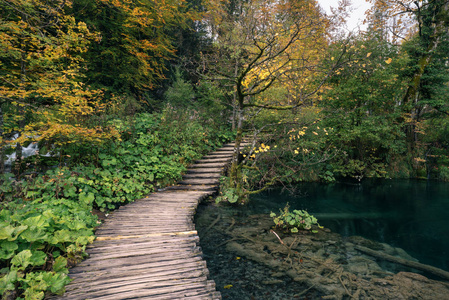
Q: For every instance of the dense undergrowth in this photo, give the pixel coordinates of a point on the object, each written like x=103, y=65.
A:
x=47, y=218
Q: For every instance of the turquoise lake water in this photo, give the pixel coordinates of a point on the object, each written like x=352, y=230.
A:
x=410, y=214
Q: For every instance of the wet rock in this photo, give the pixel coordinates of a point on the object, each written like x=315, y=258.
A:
x=358, y=240
x=401, y=253
x=309, y=266
x=362, y=266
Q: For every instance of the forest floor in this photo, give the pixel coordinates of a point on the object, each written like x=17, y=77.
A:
x=248, y=261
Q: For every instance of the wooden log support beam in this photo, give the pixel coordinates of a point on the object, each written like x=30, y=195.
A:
x=149, y=248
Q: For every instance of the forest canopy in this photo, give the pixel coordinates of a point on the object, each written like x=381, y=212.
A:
x=102, y=101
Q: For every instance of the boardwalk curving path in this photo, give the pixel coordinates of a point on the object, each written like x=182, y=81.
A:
x=149, y=249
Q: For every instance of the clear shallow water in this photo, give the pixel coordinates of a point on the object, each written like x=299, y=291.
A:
x=413, y=215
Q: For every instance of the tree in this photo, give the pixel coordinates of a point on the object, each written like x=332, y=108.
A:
x=42, y=90
x=262, y=44
x=361, y=104
x=431, y=19
x=383, y=97
x=136, y=41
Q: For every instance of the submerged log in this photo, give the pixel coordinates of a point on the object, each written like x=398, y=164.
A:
x=405, y=262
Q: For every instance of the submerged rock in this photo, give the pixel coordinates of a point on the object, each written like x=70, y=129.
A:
x=305, y=265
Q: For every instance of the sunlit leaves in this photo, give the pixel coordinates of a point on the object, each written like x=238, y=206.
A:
x=271, y=43
x=42, y=65
x=136, y=41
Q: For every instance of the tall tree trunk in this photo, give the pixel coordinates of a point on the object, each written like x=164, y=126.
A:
x=439, y=29
x=236, y=168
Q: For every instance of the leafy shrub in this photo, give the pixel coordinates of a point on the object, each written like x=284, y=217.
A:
x=38, y=241
x=226, y=194
x=46, y=220
x=295, y=220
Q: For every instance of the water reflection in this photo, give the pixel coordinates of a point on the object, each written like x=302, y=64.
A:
x=409, y=214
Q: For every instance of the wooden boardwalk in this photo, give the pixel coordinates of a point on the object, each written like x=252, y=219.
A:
x=149, y=249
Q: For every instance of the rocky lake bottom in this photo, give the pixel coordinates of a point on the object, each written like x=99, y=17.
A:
x=250, y=259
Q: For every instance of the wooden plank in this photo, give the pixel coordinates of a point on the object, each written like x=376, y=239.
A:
x=208, y=165
x=213, y=160
x=95, y=270
x=156, y=229
x=205, y=170
x=149, y=249
x=193, y=232
x=144, y=289
x=140, y=252
x=223, y=155
x=124, y=246
x=133, y=280
x=209, y=181
x=201, y=175
x=194, y=188
x=162, y=240
x=153, y=274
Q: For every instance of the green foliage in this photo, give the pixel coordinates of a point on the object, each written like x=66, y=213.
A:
x=47, y=220
x=227, y=193
x=295, y=150
x=135, y=44
x=294, y=220
x=328, y=176
x=180, y=94
x=361, y=106
x=35, y=237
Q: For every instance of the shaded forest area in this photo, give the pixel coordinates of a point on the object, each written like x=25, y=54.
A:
x=118, y=96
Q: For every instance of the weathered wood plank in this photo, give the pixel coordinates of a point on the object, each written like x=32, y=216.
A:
x=127, y=246
x=201, y=175
x=144, y=231
x=153, y=274
x=148, y=240
x=209, y=181
x=145, y=289
x=140, y=252
x=149, y=249
x=208, y=165
x=94, y=272
x=140, y=279
x=194, y=188
x=213, y=160
x=205, y=170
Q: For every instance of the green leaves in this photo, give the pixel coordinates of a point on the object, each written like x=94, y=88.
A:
x=295, y=220
x=60, y=265
x=50, y=221
x=7, y=282
x=22, y=260
x=7, y=249
x=10, y=233
x=227, y=193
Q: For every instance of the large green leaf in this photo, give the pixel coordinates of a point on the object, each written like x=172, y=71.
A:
x=38, y=221
x=34, y=234
x=60, y=265
x=86, y=198
x=7, y=282
x=7, y=249
x=57, y=283
x=22, y=259
x=7, y=232
x=62, y=236
x=38, y=258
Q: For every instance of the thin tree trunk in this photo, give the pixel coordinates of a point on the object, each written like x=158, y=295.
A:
x=412, y=93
